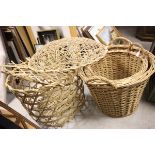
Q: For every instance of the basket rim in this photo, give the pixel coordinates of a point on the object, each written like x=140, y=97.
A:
x=136, y=78
x=52, y=79
x=7, y=84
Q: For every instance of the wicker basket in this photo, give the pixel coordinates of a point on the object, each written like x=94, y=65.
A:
x=49, y=106
x=48, y=85
x=117, y=81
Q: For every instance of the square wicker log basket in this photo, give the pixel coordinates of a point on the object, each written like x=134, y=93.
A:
x=50, y=83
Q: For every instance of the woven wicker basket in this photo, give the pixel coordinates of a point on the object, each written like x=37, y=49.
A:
x=50, y=103
x=117, y=81
x=48, y=85
x=49, y=106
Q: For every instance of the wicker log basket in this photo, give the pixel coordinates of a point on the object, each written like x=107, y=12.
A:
x=117, y=81
x=48, y=85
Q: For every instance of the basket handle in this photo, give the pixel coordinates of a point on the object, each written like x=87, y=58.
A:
x=130, y=45
x=139, y=48
x=93, y=78
x=118, y=40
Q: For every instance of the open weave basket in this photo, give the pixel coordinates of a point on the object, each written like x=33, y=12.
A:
x=117, y=81
x=49, y=104
x=48, y=85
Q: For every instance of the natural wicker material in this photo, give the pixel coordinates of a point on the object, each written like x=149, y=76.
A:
x=67, y=54
x=47, y=84
x=117, y=81
x=49, y=104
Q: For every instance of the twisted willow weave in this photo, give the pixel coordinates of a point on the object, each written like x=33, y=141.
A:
x=117, y=81
x=48, y=85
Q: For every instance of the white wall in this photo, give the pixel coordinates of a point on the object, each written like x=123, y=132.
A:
x=64, y=30
x=3, y=59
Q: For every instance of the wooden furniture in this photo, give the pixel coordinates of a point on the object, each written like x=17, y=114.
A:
x=145, y=33
x=73, y=31
x=31, y=35
x=22, y=31
x=9, y=118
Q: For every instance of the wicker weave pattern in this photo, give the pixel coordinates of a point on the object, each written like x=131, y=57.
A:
x=53, y=78
x=47, y=84
x=117, y=102
x=118, y=68
x=67, y=54
x=52, y=99
x=49, y=106
x=117, y=81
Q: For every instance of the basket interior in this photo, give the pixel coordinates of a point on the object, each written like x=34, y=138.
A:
x=116, y=66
